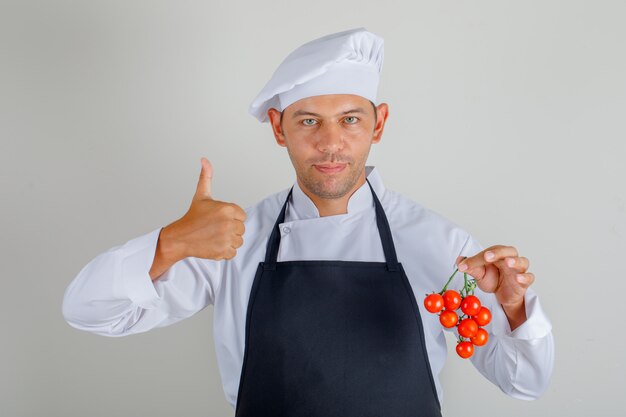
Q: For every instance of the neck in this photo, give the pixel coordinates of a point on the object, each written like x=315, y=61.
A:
x=333, y=206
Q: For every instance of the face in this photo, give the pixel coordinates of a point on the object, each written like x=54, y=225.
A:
x=328, y=139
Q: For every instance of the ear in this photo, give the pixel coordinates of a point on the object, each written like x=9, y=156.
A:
x=382, y=112
x=274, y=116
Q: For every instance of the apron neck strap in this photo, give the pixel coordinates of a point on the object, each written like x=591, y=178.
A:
x=271, y=253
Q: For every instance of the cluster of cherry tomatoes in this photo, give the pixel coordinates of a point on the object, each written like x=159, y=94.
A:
x=469, y=322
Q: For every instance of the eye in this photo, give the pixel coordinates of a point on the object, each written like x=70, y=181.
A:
x=309, y=122
x=351, y=120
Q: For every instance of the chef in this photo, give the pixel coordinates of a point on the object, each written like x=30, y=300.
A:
x=317, y=289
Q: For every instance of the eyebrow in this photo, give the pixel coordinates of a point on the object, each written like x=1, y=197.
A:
x=309, y=113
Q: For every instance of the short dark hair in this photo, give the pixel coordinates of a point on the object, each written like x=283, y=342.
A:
x=371, y=102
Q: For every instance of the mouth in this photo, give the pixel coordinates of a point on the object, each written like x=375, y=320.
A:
x=330, y=168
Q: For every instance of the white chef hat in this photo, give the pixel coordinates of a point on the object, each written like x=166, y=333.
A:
x=347, y=62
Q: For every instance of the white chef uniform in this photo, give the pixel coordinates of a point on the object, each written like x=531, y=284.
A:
x=114, y=296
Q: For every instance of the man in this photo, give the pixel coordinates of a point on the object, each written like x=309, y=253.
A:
x=314, y=288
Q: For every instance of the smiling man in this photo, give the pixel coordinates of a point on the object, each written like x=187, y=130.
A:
x=328, y=138
x=316, y=288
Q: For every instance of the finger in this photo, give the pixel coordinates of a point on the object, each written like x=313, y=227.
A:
x=229, y=253
x=203, y=190
x=237, y=242
x=238, y=213
x=239, y=228
x=525, y=280
x=487, y=278
x=477, y=273
x=520, y=264
x=488, y=256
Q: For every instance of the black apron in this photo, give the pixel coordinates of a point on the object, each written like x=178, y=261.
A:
x=334, y=338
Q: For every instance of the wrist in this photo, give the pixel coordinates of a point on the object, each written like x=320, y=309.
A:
x=169, y=247
x=515, y=313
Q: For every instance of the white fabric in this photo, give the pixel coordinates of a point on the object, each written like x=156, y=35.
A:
x=347, y=62
x=114, y=296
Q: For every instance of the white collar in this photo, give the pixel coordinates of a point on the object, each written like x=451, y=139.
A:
x=301, y=207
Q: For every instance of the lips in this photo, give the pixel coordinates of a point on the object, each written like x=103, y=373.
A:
x=330, y=169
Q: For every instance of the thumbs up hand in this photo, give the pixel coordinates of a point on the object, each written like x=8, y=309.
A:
x=203, y=190
x=210, y=229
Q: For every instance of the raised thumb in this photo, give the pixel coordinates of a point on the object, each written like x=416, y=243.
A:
x=203, y=190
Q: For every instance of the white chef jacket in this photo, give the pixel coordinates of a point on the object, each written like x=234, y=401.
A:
x=113, y=294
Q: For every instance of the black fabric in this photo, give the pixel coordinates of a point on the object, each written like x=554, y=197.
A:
x=334, y=338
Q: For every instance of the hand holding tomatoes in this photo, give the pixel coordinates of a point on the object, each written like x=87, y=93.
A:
x=500, y=270
x=473, y=315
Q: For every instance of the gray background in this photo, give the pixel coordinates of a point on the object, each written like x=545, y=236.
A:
x=506, y=117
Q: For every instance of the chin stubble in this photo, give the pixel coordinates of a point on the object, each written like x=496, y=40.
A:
x=341, y=189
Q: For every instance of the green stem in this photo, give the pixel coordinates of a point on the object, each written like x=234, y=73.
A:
x=464, y=290
x=445, y=287
x=470, y=285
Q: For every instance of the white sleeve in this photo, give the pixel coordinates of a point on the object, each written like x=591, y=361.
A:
x=113, y=295
x=519, y=362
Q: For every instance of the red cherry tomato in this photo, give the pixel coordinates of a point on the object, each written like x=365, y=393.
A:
x=481, y=337
x=433, y=303
x=465, y=349
x=448, y=319
x=483, y=317
x=451, y=299
x=470, y=305
x=468, y=328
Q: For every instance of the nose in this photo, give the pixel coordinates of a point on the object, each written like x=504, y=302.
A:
x=330, y=139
